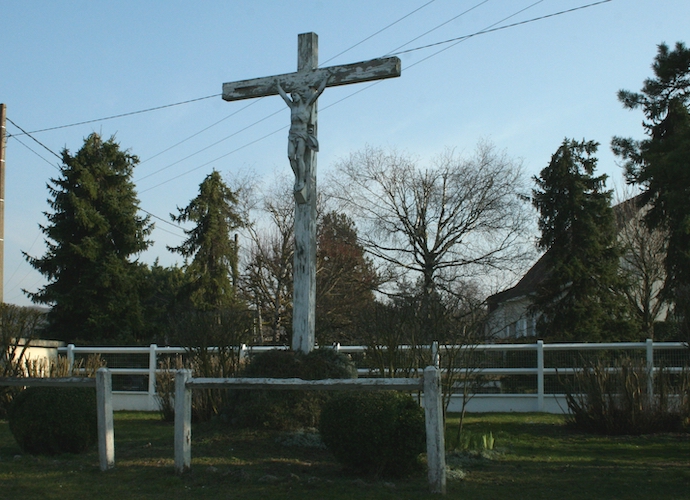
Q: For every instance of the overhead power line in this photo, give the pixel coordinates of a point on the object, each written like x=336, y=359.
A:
x=36, y=153
x=24, y=132
x=491, y=28
x=441, y=25
x=28, y=134
x=120, y=115
x=380, y=31
x=513, y=25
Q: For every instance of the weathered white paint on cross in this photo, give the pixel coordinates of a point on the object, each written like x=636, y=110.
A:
x=305, y=86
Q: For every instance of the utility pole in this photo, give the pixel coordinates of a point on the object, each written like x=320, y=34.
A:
x=3, y=114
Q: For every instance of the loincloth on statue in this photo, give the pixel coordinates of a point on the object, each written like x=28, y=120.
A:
x=310, y=140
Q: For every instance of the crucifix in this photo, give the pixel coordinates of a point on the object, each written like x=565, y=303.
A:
x=300, y=91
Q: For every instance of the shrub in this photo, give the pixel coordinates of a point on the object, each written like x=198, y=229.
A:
x=286, y=409
x=274, y=364
x=379, y=433
x=165, y=386
x=326, y=363
x=53, y=420
x=18, y=325
x=224, y=330
x=616, y=401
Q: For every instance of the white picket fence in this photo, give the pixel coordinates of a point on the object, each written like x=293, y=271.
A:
x=142, y=364
x=535, y=370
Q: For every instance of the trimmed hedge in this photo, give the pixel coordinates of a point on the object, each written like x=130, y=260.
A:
x=54, y=420
x=377, y=433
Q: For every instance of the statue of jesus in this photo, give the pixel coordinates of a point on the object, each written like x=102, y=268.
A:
x=301, y=135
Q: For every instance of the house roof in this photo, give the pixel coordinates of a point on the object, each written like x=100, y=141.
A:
x=527, y=285
x=623, y=212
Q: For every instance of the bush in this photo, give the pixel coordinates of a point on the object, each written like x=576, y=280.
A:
x=53, y=420
x=18, y=325
x=379, y=433
x=274, y=364
x=326, y=363
x=616, y=402
x=286, y=409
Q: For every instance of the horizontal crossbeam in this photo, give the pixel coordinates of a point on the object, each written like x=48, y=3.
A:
x=366, y=71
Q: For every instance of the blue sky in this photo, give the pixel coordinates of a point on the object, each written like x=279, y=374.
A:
x=524, y=88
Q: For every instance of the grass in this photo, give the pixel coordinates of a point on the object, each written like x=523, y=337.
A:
x=535, y=457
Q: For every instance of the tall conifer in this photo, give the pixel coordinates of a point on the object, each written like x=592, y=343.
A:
x=577, y=300
x=92, y=234
x=212, y=271
x=660, y=164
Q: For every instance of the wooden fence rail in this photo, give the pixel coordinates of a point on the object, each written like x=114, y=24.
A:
x=104, y=406
x=430, y=385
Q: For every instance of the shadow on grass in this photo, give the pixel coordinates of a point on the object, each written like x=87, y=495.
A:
x=538, y=457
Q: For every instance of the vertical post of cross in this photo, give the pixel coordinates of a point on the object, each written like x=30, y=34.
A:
x=304, y=268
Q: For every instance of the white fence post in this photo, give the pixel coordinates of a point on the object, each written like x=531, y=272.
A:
x=153, y=364
x=106, y=433
x=183, y=421
x=435, y=439
x=70, y=357
x=649, y=344
x=540, y=375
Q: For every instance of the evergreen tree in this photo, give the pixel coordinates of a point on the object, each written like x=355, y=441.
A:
x=91, y=236
x=345, y=278
x=661, y=165
x=160, y=298
x=577, y=300
x=212, y=272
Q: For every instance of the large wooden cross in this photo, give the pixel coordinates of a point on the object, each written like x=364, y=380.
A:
x=305, y=82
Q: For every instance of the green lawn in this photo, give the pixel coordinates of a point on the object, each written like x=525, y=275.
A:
x=536, y=457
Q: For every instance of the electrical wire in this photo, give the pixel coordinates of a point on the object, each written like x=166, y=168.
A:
x=9, y=280
x=490, y=29
x=439, y=26
x=380, y=31
x=457, y=40
x=162, y=220
x=278, y=111
x=36, y=153
x=211, y=145
x=28, y=134
x=252, y=103
x=257, y=100
x=24, y=132
x=121, y=115
x=215, y=159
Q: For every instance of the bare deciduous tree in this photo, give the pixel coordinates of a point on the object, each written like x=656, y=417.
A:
x=642, y=264
x=268, y=275
x=457, y=219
